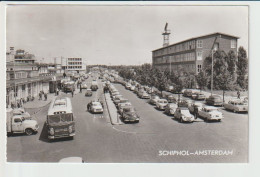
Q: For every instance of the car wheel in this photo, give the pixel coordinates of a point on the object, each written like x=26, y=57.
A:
x=28, y=131
x=181, y=120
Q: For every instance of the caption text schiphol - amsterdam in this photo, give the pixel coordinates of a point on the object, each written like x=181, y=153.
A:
x=197, y=152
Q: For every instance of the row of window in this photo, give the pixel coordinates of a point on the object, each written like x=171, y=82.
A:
x=75, y=63
x=189, y=67
x=74, y=67
x=74, y=59
x=176, y=58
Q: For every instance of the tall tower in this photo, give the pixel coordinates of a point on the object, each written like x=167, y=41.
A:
x=166, y=35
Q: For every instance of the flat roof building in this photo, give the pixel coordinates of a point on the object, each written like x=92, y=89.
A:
x=190, y=54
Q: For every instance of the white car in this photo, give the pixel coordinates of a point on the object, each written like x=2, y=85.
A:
x=236, y=106
x=145, y=95
x=161, y=104
x=84, y=86
x=128, y=86
x=132, y=88
x=96, y=107
x=210, y=113
x=183, y=114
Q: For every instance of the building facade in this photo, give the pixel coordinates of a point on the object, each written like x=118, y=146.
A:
x=190, y=54
x=73, y=65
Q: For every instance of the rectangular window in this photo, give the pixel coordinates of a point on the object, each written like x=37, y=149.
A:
x=199, y=44
x=199, y=68
x=233, y=43
x=199, y=55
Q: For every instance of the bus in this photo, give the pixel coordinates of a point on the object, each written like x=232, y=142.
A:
x=60, y=119
x=69, y=86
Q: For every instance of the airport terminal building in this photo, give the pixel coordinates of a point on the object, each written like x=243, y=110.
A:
x=190, y=53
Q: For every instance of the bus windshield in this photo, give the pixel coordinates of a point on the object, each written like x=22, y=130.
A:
x=60, y=118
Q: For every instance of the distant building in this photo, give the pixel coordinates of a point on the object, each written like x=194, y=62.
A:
x=73, y=65
x=190, y=53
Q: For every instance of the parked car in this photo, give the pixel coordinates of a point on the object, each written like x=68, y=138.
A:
x=128, y=86
x=193, y=105
x=187, y=93
x=140, y=92
x=117, y=97
x=169, y=88
x=94, y=87
x=161, y=104
x=88, y=92
x=210, y=113
x=113, y=94
x=183, y=114
x=95, y=107
x=145, y=95
x=198, y=96
x=170, y=108
x=129, y=115
x=132, y=88
x=184, y=103
x=84, y=86
x=154, y=99
x=121, y=100
x=214, y=100
x=123, y=105
x=171, y=98
x=236, y=106
x=22, y=112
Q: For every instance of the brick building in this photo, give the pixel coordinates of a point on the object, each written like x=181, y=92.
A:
x=190, y=54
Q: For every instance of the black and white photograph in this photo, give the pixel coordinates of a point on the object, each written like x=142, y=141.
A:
x=127, y=83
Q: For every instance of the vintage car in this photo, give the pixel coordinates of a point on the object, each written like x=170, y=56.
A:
x=144, y=95
x=94, y=87
x=140, y=92
x=198, y=96
x=187, y=93
x=193, y=105
x=113, y=94
x=117, y=97
x=214, y=100
x=95, y=107
x=170, y=108
x=236, y=106
x=184, y=103
x=123, y=105
x=129, y=115
x=88, y=92
x=183, y=115
x=128, y=86
x=154, y=99
x=169, y=88
x=161, y=104
x=22, y=112
x=171, y=98
x=84, y=86
x=210, y=113
x=132, y=88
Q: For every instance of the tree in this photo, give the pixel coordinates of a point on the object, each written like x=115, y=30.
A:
x=242, y=68
x=202, y=80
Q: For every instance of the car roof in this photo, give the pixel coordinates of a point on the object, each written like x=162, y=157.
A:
x=210, y=107
x=183, y=108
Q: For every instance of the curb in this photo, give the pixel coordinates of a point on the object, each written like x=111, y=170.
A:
x=110, y=113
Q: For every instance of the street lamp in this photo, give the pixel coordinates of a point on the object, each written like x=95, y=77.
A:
x=215, y=48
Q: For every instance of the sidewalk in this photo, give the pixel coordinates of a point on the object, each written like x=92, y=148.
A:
x=39, y=103
x=114, y=116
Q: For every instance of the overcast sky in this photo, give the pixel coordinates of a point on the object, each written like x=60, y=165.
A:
x=115, y=34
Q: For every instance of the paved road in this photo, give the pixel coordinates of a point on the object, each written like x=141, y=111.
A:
x=97, y=140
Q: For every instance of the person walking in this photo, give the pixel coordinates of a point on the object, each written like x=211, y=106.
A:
x=238, y=94
x=40, y=95
x=72, y=93
x=196, y=110
x=80, y=89
x=45, y=96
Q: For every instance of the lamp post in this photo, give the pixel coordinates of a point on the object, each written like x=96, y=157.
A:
x=212, y=63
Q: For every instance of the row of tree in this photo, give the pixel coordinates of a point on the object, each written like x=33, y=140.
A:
x=230, y=72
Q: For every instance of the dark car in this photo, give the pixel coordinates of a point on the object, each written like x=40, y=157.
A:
x=214, y=100
x=184, y=103
x=187, y=93
x=129, y=115
x=88, y=92
x=94, y=87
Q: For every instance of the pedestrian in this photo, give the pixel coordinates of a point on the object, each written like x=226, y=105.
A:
x=57, y=91
x=88, y=106
x=12, y=105
x=40, y=95
x=80, y=89
x=238, y=94
x=45, y=96
x=196, y=111
x=72, y=93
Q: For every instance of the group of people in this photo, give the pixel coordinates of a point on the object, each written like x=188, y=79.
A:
x=42, y=94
